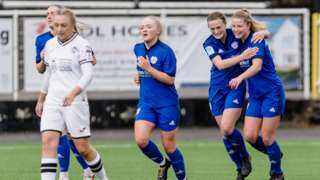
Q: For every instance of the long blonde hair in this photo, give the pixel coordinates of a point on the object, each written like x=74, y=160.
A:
x=253, y=23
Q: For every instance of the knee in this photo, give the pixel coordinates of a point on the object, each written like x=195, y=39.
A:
x=49, y=145
x=84, y=150
x=250, y=137
x=226, y=129
x=267, y=140
x=169, y=146
x=142, y=141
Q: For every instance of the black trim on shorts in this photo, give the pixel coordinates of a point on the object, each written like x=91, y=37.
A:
x=81, y=137
x=52, y=130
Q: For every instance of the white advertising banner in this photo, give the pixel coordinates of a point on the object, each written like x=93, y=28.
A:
x=113, y=38
x=6, y=58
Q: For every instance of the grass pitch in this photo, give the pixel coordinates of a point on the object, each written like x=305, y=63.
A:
x=204, y=161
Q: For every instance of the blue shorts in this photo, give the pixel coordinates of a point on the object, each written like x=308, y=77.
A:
x=269, y=105
x=166, y=118
x=221, y=99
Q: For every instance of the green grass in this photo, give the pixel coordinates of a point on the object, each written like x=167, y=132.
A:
x=204, y=161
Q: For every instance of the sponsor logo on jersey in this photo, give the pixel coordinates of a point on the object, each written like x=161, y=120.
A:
x=234, y=45
x=209, y=50
x=153, y=60
x=245, y=64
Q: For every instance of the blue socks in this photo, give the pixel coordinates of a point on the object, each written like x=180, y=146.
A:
x=274, y=154
x=177, y=163
x=65, y=143
x=237, y=141
x=152, y=152
x=233, y=154
x=176, y=158
x=64, y=153
x=258, y=145
x=80, y=159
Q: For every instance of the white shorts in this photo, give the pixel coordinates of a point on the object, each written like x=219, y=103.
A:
x=76, y=118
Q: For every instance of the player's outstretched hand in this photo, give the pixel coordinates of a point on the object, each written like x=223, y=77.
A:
x=249, y=53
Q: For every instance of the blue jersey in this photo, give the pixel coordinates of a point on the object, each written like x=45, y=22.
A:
x=215, y=47
x=153, y=92
x=41, y=41
x=265, y=80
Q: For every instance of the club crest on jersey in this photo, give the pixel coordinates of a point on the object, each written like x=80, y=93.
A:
x=234, y=45
x=153, y=60
x=75, y=50
x=209, y=50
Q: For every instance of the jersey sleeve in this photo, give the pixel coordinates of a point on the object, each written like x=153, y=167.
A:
x=261, y=45
x=38, y=50
x=170, y=64
x=211, y=50
x=85, y=53
x=139, y=50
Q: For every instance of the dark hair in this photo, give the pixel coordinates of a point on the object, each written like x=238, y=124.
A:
x=217, y=15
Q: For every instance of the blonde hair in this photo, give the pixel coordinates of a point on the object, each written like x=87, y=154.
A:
x=58, y=6
x=246, y=16
x=156, y=21
x=71, y=15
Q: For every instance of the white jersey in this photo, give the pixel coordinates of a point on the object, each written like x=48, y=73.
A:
x=63, y=61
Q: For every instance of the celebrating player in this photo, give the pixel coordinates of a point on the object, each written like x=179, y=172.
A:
x=266, y=93
x=158, y=101
x=225, y=103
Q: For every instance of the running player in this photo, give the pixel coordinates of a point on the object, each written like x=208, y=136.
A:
x=63, y=101
x=158, y=102
x=226, y=104
x=65, y=143
x=266, y=93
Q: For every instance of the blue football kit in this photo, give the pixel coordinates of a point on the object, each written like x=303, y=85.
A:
x=221, y=96
x=158, y=102
x=266, y=93
x=41, y=41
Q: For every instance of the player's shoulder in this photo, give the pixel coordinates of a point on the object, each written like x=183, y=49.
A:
x=164, y=47
x=139, y=45
x=45, y=35
x=52, y=42
x=81, y=41
x=210, y=40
